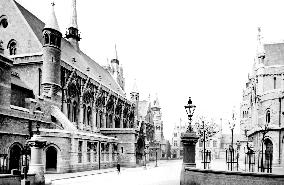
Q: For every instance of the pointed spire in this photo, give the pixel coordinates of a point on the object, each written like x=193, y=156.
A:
x=52, y=20
x=156, y=102
x=116, y=57
x=260, y=46
x=73, y=21
x=134, y=88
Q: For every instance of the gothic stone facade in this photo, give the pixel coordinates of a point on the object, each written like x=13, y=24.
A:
x=262, y=106
x=48, y=84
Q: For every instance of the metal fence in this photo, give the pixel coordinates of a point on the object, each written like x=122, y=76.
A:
x=265, y=162
x=206, y=159
x=250, y=161
x=232, y=159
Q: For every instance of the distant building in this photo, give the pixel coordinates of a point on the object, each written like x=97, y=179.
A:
x=176, y=145
x=150, y=116
x=262, y=102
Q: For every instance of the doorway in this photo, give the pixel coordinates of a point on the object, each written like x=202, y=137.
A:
x=15, y=157
x=51, y=159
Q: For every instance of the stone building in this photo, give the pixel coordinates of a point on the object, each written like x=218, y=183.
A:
x=262, y=104
x=47, y=84
x=176, y=145
x=149, y=117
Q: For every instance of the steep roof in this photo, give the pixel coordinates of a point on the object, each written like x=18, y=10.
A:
x=68, y=52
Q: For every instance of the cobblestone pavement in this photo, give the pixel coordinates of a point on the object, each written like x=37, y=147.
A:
x=167, y=173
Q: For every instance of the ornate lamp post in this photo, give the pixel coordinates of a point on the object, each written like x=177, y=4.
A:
x=189, y=138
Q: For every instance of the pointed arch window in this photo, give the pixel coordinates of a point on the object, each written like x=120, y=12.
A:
x=39, y=81
x=12, y=47
x=74, y=113
x=267, y=116
x=89, y=113
x=84, y=114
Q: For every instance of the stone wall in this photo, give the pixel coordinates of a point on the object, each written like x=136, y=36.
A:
x=10, y=179
x=191, y=176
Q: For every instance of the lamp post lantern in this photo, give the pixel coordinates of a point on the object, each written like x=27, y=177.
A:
x=189, y=138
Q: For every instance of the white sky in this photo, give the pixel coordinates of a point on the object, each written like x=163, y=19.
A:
x=175, y=48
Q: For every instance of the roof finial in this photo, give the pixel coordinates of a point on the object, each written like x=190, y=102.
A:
x=115, y=52
x=73, y=22
x=260, y=47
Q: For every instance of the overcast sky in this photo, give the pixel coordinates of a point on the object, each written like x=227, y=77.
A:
x=175, y=48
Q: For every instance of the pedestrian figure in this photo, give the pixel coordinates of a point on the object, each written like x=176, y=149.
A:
x=118, y=168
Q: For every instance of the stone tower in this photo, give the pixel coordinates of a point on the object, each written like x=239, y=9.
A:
x=72, y=33
x=134, y=98
x=51, y=56
x=157, y=119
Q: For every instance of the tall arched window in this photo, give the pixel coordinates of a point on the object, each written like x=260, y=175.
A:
x=84, y=114
x=39, y=81
x=12, y=46
x=89, y=113
x=69, y=111
x=74, y=113
x=268, y=116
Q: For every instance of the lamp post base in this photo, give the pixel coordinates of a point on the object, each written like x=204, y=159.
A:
x=190, y=165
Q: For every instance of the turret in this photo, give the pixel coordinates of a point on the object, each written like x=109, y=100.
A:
x=51, y=56
x=72, y=33
x=117, y=71
x=260, y=46
x=134, y=98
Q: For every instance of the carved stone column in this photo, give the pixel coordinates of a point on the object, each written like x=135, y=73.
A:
x=94, y=120
x=36, y=166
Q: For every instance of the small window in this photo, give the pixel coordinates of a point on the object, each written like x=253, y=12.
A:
x=274, y=83
x=122, y=150
x=52, y=39
x=3, y=21
x=268, y=116
x=46, y=38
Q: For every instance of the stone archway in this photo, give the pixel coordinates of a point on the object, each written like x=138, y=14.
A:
x=15, y=153
x=51, y=159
